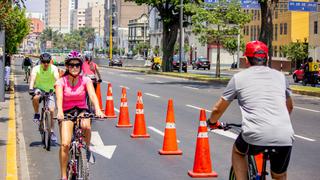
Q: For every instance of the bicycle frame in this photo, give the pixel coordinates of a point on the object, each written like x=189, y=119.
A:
x=45, y=122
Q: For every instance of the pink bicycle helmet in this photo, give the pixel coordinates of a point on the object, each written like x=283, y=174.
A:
x=73, y=55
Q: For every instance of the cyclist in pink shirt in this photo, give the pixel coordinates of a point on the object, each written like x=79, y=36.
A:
x=71, y=90
x=91, y=70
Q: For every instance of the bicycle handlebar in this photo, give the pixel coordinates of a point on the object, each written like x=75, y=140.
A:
x=226, y=126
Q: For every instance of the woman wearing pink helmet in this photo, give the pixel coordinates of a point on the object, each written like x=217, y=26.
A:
x=71, y=90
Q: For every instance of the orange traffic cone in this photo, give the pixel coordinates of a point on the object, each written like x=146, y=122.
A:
x=202, y=161
x=170, y=145
x=124, y=120
x=98, y=93
x=109, y=111
x=139, y=129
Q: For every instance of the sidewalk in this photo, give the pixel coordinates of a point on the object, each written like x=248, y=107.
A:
x=4, y=119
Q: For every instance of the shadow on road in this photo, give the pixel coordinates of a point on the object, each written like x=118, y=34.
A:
x=3, y=119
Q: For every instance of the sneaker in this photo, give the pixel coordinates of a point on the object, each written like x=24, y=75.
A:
x=36, y=118
x=53, y=137
x=90, y=157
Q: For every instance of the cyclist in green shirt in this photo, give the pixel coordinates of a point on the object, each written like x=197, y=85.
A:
x=43, y=78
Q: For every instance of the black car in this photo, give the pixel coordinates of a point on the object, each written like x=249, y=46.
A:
x=176, y=63
x=201, y=62
x=115, y=62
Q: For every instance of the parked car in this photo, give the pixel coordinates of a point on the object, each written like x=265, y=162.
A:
x=298, y=74
x=176, y=63
x=116, y=61
x=201, y=62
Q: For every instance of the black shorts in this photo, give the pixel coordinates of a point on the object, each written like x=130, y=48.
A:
x=75, y=110
x=279, y=160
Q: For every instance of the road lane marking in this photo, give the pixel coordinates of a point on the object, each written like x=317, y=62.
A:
x=153, y=95
x=159, y=132
x=306, y=109
x=225, y=133
x=11, y=154
x=189, y=87
x=117, y=110
x=159, y=82
x=98, y=146
x=305, y=138
x=106, y=82
x=195, y=107
x=124, y=87
x=140, y=78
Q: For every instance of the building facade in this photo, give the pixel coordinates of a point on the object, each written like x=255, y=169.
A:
x=31, y=43
x=314, y=33
x=94, y=17
x=120, y=12
x=57, y=14
x=288, y=26
x=138, y=31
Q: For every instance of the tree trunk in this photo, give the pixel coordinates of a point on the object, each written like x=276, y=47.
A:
x=266, y=26
x=169, y=33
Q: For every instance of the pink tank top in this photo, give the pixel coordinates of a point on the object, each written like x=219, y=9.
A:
x=89, y=69
x=74, y=96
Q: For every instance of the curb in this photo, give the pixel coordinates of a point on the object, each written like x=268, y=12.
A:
x=308, y=93
x=224, y=82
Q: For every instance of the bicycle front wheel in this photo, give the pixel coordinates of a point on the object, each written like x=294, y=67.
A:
x=47, y=130
x=83, y=166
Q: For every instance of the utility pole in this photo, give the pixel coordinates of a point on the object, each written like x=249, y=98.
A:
x=2, y=63
x=181, y=35
x=110, y=38
x=238, y=50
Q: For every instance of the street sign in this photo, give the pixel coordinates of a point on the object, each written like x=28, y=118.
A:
x=302, y=6
x=250, y=4
x=246, y=4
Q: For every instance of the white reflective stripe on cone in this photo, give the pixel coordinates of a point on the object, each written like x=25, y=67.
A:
x=140, y=99
x=109, y=98
x=203, y=124
x=170, y=125
x=110, y=90
x=203, y=135
x=139, y=111
x=124, y=104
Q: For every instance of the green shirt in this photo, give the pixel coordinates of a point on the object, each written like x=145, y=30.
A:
x=45, y=80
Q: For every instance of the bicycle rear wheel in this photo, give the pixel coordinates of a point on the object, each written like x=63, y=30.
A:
x=83, y=166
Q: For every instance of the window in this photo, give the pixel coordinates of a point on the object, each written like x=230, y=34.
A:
x=254, y=32
x=276, y=14
x=285, y=28
x=247, y=30
x=258, y=15
x=281, y=28
x=315, y=27
x=276, y=32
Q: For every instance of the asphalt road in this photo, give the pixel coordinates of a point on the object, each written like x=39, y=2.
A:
x=138, y=158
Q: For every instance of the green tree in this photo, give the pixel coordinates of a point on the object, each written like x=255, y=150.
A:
x=17, y=27
x=215, y=22
x=296, y=52
x=169, y=13
x=88, y=34
x=231, y=45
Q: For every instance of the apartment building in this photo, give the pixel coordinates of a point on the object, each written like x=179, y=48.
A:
x=94, y=17
x=314, y=33
x=288, y=26
x=138, y=31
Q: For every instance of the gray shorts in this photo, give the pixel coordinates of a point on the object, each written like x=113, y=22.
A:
x=52, y=102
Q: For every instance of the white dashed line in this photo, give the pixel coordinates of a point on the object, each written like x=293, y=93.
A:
x=153, y=95
x=117, y=110
x=139, y=78
x=124, y=87
x=158, y=131
x=159, y=82
x=225, y=133
x=195, y=107
x=306, y=109
x=189, y=87
x=305, y=138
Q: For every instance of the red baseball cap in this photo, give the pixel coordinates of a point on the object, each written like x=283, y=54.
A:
x=256, y=49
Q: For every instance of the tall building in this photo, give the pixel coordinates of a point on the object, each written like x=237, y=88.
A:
x=94, y=17
x=121, y=11
x=288, y=26
x=314, y=33
x=31, y=43
x=58, y=14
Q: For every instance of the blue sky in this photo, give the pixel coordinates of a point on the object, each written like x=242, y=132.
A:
x=35, y=5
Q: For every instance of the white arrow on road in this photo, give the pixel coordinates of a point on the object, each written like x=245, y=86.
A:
x=98, y=146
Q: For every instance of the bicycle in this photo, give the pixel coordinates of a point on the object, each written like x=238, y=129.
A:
x=27, y=73
x=45, y=123
x=78, y=166
x=257, y=169
x=95, y=82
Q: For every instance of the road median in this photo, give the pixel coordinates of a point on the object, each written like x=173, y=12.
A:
x=303, y=90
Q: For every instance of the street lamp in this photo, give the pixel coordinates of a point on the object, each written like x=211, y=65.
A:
x=181, y=35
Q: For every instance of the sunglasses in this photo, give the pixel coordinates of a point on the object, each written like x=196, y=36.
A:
x=45, y=62
x=74, y=65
